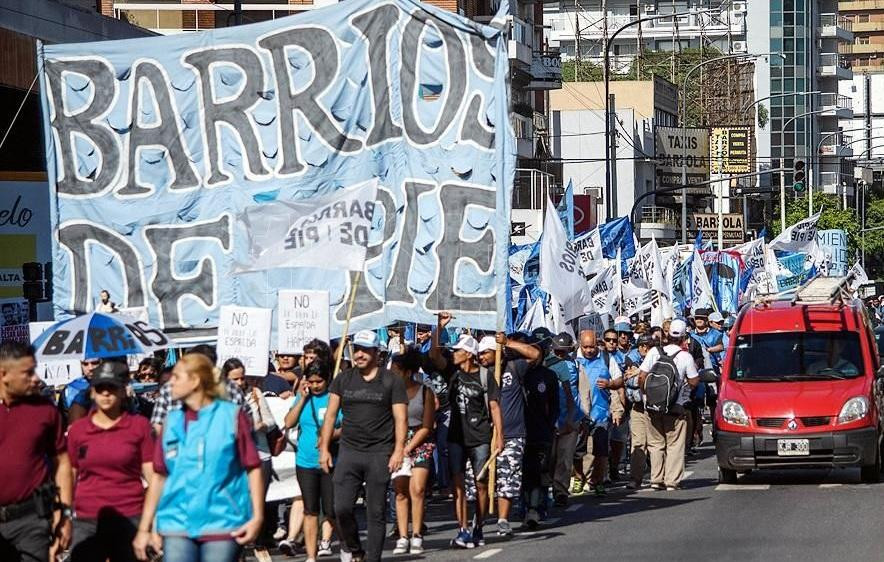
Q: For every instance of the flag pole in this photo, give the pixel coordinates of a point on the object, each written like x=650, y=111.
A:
x=492, y=462
x=345, y=336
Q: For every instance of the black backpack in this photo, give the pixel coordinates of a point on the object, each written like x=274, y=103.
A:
x=662, y=387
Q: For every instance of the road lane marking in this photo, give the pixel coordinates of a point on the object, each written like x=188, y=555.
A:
x=487, y=554
x=575, y=507
x=688, y=474
x=831, y=485
x=741, y=487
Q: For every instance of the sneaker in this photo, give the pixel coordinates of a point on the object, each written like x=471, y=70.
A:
x=532, y=520
x=287, y=547
x=401, y=546
x=324, y=548
x=599, y=490
x=503, y=528
x=577, y=487
x=280, y=533
x=463, y=539
x=417, y=545
x=673, y=488
x=478, y=536
x=658, y=487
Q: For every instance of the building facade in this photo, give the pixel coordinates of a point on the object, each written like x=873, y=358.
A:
x=866, y=53
x=800, y=90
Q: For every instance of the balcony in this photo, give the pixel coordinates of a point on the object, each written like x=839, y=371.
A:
x=868, y=26
x=658, y=222
x=691, y=25
x=836, y=183
x=831, y=65
x=836, y=27
x=523, y=128
x=837, y=144
x=520, y=46
x=546, y=71
x=860, y=5
x=836, y=105
x=855, y=49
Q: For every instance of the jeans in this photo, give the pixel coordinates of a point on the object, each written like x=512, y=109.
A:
x=354, y=468
x=25, y=539
x=184, y=549
x=107, y=538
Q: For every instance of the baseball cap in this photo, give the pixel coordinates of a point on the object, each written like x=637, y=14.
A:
x=645, y=340
x=621, y=320
x=622, y=327
x=541, y=334
x=366, y=338
x=563, y=342
x=487, y=343
x=114, y=373
x=716, y=317
x=468, y=343
x=677, y=328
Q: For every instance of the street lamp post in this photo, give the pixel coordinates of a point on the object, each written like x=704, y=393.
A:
x=609, y=200
x=684, y=148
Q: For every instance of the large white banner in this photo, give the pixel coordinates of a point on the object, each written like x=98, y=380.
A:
x=701, y=289
x=244, y=333
x=560, y=273
x=328, y=232
x=800, y=237
x=303, y=316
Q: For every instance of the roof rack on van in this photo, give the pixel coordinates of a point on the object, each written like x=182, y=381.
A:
x=830, y=290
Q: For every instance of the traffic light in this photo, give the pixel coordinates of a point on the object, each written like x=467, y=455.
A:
x=37, y=277
x=798, y=176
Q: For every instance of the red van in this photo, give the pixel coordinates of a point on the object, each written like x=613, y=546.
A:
x=801, y=386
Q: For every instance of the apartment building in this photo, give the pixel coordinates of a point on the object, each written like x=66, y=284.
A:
x=866, y=53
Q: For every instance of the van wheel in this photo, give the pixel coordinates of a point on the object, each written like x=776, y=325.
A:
x=727, y=476
x=872, y=473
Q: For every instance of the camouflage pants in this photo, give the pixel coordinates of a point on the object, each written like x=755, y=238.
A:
x=509, y=468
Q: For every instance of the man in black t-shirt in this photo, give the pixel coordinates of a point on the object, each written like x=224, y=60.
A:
x=374, y=405
x=475, y=406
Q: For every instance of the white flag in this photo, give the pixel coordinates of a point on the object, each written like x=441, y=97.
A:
x=560, y=273
x=652, y=265
x=589, y=249
x=800, y=237
x=859, y=276
x=752, y=254
x=604, y=289
x=534, y=318
x=701, y=290
x=328, y=232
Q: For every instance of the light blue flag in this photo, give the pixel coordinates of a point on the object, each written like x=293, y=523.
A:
x=156, y=145
x=617, y=234
x=565, y=209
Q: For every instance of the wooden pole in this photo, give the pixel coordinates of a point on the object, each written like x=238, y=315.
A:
x=345, y=335
x=492, y=462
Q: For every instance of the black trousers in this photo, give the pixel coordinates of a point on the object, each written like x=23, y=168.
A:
x=107, y=538
x=317, y=491
x=352, y=469
x=26, y=539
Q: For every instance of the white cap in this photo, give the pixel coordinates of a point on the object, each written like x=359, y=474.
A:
x=677, y=328
x=621, y=320
x=487, y=343
x=716, y=317
x=467, y=343
x=366, y=338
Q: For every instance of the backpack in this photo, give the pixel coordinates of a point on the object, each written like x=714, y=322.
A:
x=662, y=387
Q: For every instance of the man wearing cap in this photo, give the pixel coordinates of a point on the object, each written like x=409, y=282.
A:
x=35, y=497
x=374, y=404
x=625, y=354
x=706, y=335
x=638, y=417
x=561, y=362
x=518, y=359
x=667, y=433
x=475, y=407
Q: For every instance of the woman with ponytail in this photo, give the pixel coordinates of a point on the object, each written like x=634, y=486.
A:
x=207, y=493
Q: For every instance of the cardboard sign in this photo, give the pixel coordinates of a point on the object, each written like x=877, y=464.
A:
x=244, y=333
x=303, y=316
x=53, y=373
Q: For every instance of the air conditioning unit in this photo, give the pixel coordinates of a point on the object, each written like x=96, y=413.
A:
x=650, y=8
x=738, y=6
x=740, y=47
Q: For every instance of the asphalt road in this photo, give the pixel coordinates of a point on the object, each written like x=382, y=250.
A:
x=802, y=515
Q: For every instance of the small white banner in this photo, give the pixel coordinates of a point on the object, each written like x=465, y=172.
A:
x=244, y=333
x=303, y=316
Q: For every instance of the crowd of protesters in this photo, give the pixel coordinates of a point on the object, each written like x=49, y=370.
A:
x=181, y=468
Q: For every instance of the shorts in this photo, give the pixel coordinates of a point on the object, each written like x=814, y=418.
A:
x=317, y=491
x=509, y=468
x=458, y=455
x=422, y=456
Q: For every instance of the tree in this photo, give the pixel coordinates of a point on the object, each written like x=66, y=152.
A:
x=584, y=72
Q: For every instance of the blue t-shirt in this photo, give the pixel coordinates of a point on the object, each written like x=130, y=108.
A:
x=77, y=392
x=711, y=338
x=309, y=425
x=566, y=371
x=512, y=398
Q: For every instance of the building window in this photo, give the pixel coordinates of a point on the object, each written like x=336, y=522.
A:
x=862, y=18
x=862, y=40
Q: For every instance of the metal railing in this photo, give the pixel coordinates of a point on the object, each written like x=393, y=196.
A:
x=835, y=100
x=833, y=59
x=833, y=143
x=659, y=215
x=531, y=188
x=836, y=20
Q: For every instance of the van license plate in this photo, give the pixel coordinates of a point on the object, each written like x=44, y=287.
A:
x=793, y=447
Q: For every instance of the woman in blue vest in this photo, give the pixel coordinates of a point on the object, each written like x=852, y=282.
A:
x=207, y=492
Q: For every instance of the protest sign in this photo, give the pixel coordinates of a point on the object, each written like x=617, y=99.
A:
x=285, y=484
x=833, y=247
x=14, y=320
x=244, y=333
x=155, y=145
x=302, y=316
x=53, y=373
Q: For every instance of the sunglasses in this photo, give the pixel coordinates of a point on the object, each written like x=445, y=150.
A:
x=611, y=340
x=106, y=387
